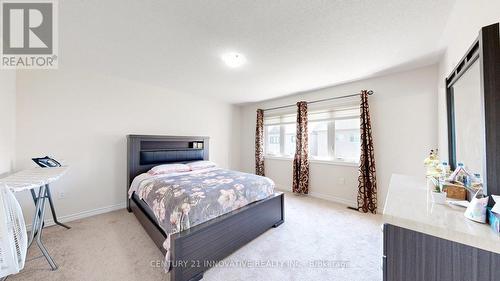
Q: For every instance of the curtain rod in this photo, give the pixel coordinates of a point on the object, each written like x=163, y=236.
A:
x=316, y=101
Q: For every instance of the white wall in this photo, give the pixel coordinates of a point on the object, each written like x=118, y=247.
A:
x=83, y=118
x=7, y=120
x=403, y=115
x=462, y=28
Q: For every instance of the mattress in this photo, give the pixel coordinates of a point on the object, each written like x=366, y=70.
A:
x=181, y=200
x=176, y=202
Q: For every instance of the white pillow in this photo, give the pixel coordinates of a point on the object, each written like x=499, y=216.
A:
x=199, y=165
x=168, y=169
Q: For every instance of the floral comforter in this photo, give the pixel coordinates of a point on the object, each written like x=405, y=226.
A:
x=183, y=200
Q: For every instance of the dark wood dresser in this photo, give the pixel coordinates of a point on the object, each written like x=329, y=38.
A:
x=424, y=241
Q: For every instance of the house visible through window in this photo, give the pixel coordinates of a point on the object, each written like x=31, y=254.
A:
x=334, y=135
x=290, y=135
x=319, y=135
x=347, y=139
x=272, y=144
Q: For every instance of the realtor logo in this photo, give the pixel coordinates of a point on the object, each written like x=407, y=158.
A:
x=29, y=37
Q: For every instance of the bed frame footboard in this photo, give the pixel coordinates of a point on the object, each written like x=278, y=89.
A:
x=195, y=250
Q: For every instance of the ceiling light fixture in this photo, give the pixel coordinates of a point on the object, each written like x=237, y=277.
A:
x=233, y=59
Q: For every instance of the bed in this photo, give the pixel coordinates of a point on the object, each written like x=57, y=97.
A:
x=195, y=249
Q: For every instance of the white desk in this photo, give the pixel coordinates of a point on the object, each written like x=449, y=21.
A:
x=428, y=241
x=31, y=179
x=409, y=205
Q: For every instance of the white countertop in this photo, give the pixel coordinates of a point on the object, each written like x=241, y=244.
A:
x=33, y=178
x=409, y=205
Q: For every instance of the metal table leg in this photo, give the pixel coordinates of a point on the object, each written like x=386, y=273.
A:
x=52, y=209
x=33, y=194
x=37, y=225
x=36, y=217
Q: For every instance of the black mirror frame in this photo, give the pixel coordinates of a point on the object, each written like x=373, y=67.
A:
x=486, y=48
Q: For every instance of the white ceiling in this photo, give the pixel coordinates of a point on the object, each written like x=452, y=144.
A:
x=291, y=45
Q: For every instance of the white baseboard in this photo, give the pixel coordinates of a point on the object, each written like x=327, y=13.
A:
x=326, y=197
x=335, y=199
x=80, y=215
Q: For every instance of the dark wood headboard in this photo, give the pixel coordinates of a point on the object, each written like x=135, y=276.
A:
x=146, y=151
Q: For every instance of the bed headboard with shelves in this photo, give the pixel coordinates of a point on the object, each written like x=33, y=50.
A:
x=147, y=151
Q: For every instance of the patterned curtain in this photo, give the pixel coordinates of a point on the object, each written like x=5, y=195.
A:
x=367, y=188
x=259, y=143
x=300, y=161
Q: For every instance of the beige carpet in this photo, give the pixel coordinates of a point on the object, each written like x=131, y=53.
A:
x=318, y=241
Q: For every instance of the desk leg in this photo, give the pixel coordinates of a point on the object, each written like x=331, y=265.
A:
x=53, y=210
x=33, y=194
x=37, y=225
x=39, y=235
x=36, y=217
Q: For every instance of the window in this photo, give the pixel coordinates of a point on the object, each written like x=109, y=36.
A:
x=279, y=135
x=334, y=135
x=290, y=135
x=272, y=143
x=318, y=140
x=347, y=139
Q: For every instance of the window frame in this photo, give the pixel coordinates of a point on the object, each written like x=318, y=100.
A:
x=331, y=140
